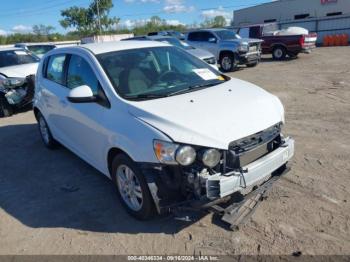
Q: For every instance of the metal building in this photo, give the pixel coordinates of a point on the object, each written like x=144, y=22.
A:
x=321, y=16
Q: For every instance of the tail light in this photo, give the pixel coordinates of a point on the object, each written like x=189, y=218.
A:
x=302, y=40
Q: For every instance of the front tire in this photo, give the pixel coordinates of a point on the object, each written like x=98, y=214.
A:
x=6, y=109
x=279, y=53
x=132, y=188
x=227, y=62
x=45, y=132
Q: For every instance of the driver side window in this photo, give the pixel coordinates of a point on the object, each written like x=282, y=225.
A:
x=80, y=73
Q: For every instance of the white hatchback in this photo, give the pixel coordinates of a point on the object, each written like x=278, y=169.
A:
x=165, y=126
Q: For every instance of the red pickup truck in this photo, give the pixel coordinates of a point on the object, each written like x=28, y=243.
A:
x=281, y=43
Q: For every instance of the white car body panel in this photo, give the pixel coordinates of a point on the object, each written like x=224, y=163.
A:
x=216, y=116
x=213, y=117
x=20, y=70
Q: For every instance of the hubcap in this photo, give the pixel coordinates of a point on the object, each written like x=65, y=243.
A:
x=226, y=63
x=278, y=53
x=129, y=187
x=44, y=130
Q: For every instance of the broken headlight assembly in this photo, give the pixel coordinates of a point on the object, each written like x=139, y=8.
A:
x=13, y=82
x=185, y=155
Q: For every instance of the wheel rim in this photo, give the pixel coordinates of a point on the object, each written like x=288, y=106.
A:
x=44, y=130
x=129, y=188
x=278, y=53
x=226, y=63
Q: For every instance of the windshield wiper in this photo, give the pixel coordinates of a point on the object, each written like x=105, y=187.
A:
x=145, y=96
x=191, y=88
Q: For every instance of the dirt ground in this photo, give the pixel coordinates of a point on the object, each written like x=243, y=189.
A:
x=51, y=202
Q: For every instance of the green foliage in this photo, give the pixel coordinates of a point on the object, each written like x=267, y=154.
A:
x=85, y=20
x=217, y=21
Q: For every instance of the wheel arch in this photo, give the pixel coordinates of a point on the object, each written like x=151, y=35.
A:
x=36, y=112
x=112, y=153
x=273, y=46
x=223, y=52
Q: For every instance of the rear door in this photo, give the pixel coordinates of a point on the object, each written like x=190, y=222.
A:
x=54, y=92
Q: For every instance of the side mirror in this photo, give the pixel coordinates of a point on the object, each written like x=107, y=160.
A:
x=212, y=40
x=81, y=94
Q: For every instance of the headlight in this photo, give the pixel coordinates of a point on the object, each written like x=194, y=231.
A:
x=13, y=82
x=185, y=155
x=211, y=157
x=165, y=152
x=244, y=47
x=173, y=154
x=211, y=60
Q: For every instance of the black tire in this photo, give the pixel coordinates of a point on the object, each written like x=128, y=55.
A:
x=47, y=139
x=227, y=62
x=147, y=210
x=6, y=109
x=279, y=53
x=253, y=64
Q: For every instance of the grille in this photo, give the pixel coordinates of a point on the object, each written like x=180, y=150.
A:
x=251, y=148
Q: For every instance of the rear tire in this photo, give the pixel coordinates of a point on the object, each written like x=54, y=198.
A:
x=6, y=109
x=227, y=62
x=279, y=53
x=45, y=132
x=132, y=188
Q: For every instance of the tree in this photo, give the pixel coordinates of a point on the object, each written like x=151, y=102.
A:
x=91, y=20
x=217, y=21
x=43, y=30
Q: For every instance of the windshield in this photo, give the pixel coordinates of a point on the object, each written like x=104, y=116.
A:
x=227, y=35
x=40, y=49
x=149, y=73
x=176, y=42
x=16, y=57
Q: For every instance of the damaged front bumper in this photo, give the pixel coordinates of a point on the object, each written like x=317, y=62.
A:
x=218, y=188
x=253, y=174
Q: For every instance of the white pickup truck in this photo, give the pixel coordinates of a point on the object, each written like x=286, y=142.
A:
x=229, y=48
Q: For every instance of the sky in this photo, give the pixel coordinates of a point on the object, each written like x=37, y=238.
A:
x=21, y=15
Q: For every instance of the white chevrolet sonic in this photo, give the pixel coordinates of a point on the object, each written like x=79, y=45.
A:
x=168, y=129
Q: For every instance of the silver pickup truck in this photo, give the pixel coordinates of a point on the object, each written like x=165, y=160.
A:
x=228, y=47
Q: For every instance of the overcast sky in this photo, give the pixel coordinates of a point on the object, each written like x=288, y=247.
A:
x=21, y=15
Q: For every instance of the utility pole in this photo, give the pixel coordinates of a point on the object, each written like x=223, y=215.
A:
x=98, y=15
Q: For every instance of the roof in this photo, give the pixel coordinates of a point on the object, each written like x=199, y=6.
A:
x=106, y=47
x=208, y=29
x=10, y=49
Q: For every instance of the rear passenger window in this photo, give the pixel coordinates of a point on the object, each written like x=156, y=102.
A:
x=55, y=67
x=80, y=73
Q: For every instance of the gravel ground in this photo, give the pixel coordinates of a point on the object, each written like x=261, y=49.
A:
x=51, y=202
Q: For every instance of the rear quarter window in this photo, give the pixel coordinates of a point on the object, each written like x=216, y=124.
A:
x=55, y=68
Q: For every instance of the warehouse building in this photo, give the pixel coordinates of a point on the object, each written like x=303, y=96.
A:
x=321, y=16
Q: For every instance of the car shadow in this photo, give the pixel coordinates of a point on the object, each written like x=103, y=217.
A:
x=54, y=188
x=271, y=60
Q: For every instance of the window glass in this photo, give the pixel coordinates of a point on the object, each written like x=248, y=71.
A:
x=150, y=73
x=16, y=57
x=40, y=49
x=244, y=32
x=194, y=36
x=55, y=69
x=80, y=73
x=227, y=35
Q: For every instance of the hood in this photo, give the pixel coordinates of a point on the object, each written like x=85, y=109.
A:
x=19, y=70
x=200, y=53
x=242, y=40
x=212, y=117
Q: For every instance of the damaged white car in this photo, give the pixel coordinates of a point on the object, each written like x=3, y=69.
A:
x=171, y=131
